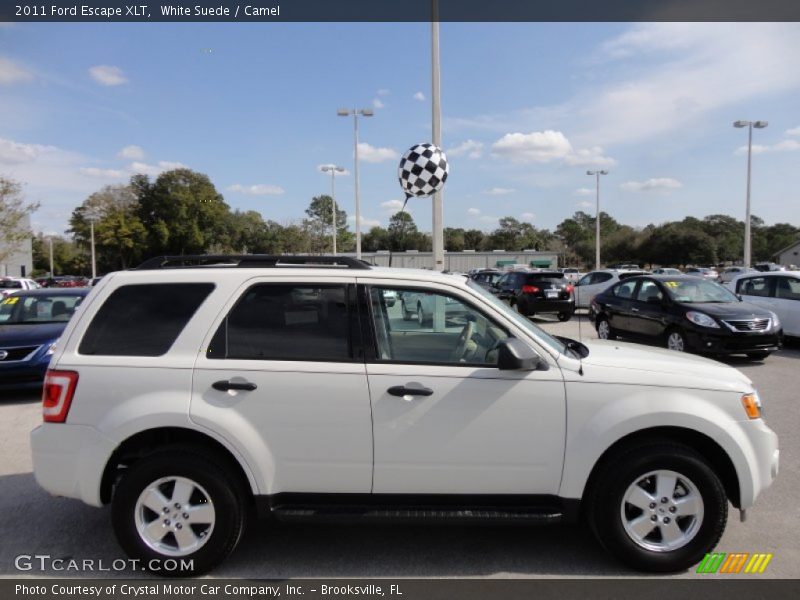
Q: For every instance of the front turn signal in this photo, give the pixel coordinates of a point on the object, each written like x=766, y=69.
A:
x=752, y=405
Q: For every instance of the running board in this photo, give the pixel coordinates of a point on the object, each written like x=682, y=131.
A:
x=500, y=515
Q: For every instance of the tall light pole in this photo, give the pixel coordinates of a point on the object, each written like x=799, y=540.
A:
x=364, y=112
x=92, y=215
x=749, y=125
x=597, y=217
x=50, y=239
x=333, y=170
x=437, y=230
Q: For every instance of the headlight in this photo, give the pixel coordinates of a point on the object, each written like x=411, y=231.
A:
x=752, y=405
x=701, y=319
x=51, y=348
x=776, y=322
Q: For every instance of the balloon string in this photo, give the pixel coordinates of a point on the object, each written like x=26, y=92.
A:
x=402, y=231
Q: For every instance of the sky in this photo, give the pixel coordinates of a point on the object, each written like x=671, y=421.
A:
x=527, y=109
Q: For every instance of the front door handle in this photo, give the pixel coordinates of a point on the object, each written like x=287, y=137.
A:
x=225, y=385
x=410, y=389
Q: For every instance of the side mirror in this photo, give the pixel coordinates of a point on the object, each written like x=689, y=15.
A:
x=516, y=355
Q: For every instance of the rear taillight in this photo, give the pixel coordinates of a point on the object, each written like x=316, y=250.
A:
x=570, y=289
x=59, y=387
x=529, y=289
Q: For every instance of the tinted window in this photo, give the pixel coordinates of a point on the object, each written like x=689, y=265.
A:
x=648, y=290
x=625, y=290
x=601, y=277
x=547, y=277
x=466, y=336
x=286, y=322
x=754, y=286
x=788, y=288
x=143, y=320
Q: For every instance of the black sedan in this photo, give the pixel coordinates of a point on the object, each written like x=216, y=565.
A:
x=538, y=292
x=686, y=313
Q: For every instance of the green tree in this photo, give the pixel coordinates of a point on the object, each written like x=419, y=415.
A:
x=14, y=212
x=473, y=239
x=320, y=226
x=181, y=211
x=454, y=240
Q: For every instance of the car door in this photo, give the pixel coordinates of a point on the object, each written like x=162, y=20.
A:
x=618, y=305
x=282, y=378
x=446, y=419
x=508, y=286
x=591, y=285
x=647, y=315
x=757, y=289
x=787, y=303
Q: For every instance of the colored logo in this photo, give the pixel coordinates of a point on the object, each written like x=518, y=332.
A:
x=733, y=563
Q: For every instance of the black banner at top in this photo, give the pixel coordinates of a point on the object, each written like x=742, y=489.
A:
x=397, y=10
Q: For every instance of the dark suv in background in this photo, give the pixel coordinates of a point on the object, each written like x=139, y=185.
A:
x=539, y=292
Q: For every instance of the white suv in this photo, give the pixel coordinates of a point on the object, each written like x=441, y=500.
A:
x=193, y=391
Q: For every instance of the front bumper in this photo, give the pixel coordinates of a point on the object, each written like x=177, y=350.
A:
x=725, y=342
x=763, y=459
x=69, y=460
x=25, y=376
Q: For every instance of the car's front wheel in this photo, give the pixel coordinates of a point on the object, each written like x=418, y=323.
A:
x=178, y=507
x=676, y=340
x=658, y=507
x=407, y=316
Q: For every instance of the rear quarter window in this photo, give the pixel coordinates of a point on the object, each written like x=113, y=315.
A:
x=143, y=319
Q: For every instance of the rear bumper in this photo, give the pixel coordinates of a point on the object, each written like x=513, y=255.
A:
x=536, y=305
x=69, y=460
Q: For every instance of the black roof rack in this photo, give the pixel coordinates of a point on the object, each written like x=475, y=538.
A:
x=193, y=261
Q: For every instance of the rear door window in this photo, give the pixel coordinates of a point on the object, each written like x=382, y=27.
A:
x=144, y=319
x=754, y=286
x=625, y=290
x=787, y=288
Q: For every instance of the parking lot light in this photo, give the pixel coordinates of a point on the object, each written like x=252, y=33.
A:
x=356, y=112
x=597, y=218
x=749, y=125
x=333, y=170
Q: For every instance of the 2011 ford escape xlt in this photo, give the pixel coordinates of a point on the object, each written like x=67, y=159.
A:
x=193, y=391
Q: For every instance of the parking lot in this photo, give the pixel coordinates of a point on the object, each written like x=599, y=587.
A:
x=32, y=522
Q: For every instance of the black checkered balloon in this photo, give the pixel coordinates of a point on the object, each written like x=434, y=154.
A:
x=423, y=170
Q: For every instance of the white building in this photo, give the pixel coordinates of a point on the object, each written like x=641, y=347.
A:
x=463, y=261
x=789, y=255
x=19, y=263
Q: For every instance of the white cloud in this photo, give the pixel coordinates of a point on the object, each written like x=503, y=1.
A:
x=499, y=191
x=784, y=146
x=11, y=72
x=163, y=165
x=12, y=152
x=338, y=173
x=259, y=189
x=528, y=216
x=392, y=206
x=365, y=222
x=583, y=192
x=470, y=148
x=383, y=92
x=372, y=154
x=108, y=75
x=537, y=146
x=589, y=157
x=104, y=173
x=131, y=152
x=659, y=184
x=376, y=102
x=584, y=204
x=794, y=131
x=419, y=96
x=474, y=212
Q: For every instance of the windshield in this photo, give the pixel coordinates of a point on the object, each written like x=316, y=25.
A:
x=31, y=310
x=695, y=291
x=526, y=323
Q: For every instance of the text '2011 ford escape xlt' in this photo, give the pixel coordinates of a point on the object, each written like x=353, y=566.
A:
x=194, y=391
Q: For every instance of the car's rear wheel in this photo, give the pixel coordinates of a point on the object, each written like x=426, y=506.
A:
x=564, y=316
x=181, y=504
x=604, y=329
x=758, y=355
x=658, y=507
x=676, y=340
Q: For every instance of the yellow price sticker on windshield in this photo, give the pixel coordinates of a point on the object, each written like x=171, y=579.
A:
x=672, y=284
x=11, y=300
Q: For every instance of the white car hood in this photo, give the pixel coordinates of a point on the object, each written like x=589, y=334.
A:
x=618, y=362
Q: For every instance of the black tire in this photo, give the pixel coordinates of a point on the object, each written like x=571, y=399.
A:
x=226, y=493
x=407, y=316
x=613, y=479
x=420, y=315
x=611, y=335
x=758, y=355
x=564, y=316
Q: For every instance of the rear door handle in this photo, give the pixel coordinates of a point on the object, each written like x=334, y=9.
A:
x=225, y=385
x=410, y=389
x=634, y=310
